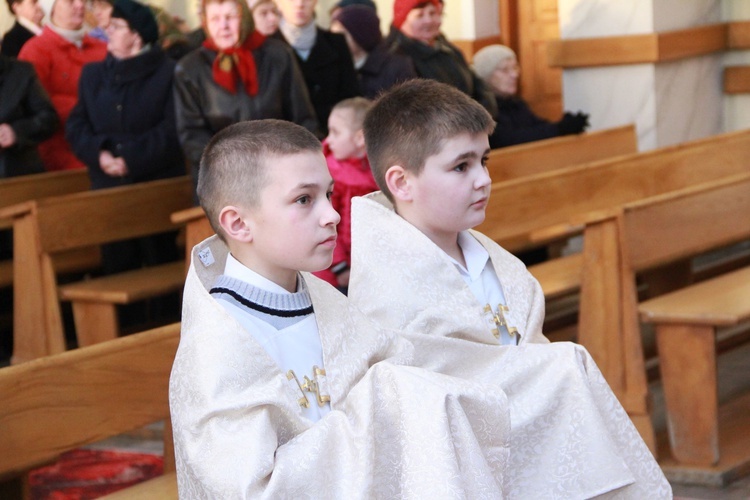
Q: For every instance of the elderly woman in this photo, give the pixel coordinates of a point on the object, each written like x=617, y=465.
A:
x=516, y=123
x=236, y=75
x=415, y=32
x=266, y=16
x=123, y=125
x=58, y=55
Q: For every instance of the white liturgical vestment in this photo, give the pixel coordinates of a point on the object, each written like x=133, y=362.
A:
x=570, y=437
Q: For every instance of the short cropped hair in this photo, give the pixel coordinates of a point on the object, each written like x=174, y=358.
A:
x=234, y=165
x=410, y=123
x=359, y=106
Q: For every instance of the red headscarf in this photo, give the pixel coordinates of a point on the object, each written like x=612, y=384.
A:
x=401, y=9
x=238, y=61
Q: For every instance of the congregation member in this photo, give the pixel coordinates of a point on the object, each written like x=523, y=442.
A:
x=99, y=13
x=58, y=55
x=266, y=16
x=419, y=269
x=415, y=32
x=498, y=66
x=323, y=56
x=377, y=68
x=237, y=75
x=28, y=24
x=123, y=126
x=346, y=3
x=27, y=117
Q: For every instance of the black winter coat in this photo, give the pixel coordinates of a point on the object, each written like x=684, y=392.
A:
x=126, y=106
x=329, y=73
x=14, y=39
x=203, y=107
x=26, y=107
x=517, y=124
x=442, y=62
x=382, y=70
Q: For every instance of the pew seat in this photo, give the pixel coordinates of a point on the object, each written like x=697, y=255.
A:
x=560, y=276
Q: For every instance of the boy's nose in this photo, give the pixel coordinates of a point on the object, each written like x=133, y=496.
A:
x=484, y=178
x=331, y=216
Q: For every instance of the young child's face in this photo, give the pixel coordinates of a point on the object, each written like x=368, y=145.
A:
x=452, y=192
x=342, y=138
x=294, y=226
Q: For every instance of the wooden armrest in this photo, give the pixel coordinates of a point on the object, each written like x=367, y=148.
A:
x=159, y=488
x=127, y=287
x=187, y=215
x=559, y=276
x=721, y=301
x=13, y=211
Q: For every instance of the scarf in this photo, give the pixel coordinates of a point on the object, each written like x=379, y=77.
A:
x=73, y=36
x=301, y=39
x=236, y=62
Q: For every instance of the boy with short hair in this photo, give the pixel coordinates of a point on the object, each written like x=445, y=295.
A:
x=278, y=389
x=344, y=149
x=418, y=268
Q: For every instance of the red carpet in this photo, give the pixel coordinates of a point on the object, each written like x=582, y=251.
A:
x=86, y=474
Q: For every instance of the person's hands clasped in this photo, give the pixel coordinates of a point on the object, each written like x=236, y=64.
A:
x=7, y=136
x=111, y=165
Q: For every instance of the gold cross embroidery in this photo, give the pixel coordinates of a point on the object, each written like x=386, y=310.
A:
x=498, y=319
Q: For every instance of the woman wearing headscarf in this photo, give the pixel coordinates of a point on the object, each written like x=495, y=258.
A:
x=236, y=75
x=58, y=55
x=123, y=125
x=498, y=66
x=415, y=32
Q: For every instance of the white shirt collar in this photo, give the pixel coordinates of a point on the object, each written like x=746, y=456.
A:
x=29, y=25
x=237, y=270
x=475, y=255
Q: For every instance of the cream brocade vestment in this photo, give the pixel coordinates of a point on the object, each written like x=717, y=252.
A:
x=394, y=431
x=570, y=437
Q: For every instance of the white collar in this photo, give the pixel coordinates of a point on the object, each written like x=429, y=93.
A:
x=475, y=255
x=235, y=269
x=29, y=25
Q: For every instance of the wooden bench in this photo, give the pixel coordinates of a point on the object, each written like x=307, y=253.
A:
x=197, y=228
x=536, y=209
x=551, y=154
x=644, y=236
x=28, y=187
x=46, y=227
x=64, y=401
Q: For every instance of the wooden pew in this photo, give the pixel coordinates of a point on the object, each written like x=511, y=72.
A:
x=46, y=227
x=643, y=236
x=551, y=154
x=536, y=209
x=64, y=401
x=28, y=187
x=197, y=228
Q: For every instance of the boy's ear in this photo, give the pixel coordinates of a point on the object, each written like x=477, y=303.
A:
x=232, y=221
x=359, y=138
x=397, y=180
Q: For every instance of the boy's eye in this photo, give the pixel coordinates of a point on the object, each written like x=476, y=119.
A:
x=461, y=167
x=329, y=194
x=485, y=159
x=303, y=200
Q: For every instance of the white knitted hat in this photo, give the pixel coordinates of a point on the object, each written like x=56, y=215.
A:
x=487, y=59
x=46, y=5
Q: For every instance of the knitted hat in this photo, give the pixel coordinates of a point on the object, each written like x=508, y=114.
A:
x=46, y=6
x=139, y=17
x=401, y=9
x=487, y=59
x=346, y=3
x=363, y=25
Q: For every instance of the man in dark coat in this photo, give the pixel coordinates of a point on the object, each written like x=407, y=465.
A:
x=323, y=56
x=27, y=117
x=28, y=23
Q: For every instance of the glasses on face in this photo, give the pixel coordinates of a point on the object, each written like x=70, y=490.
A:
x=509, y=68
x=117, y=25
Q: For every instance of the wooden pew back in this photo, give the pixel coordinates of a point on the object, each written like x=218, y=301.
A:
x=48, y=227
x=28, y=187
x=61, y=402
x=568, y=197
x=551, y=154
x=637, y=237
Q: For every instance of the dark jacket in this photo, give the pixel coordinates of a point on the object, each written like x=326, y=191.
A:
x=14, y=39
x=517, y=124
x=26, y=107
x=126, y=107
x=382, y=70
x=203, y=107
x=328, y=72
x=442, y=62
